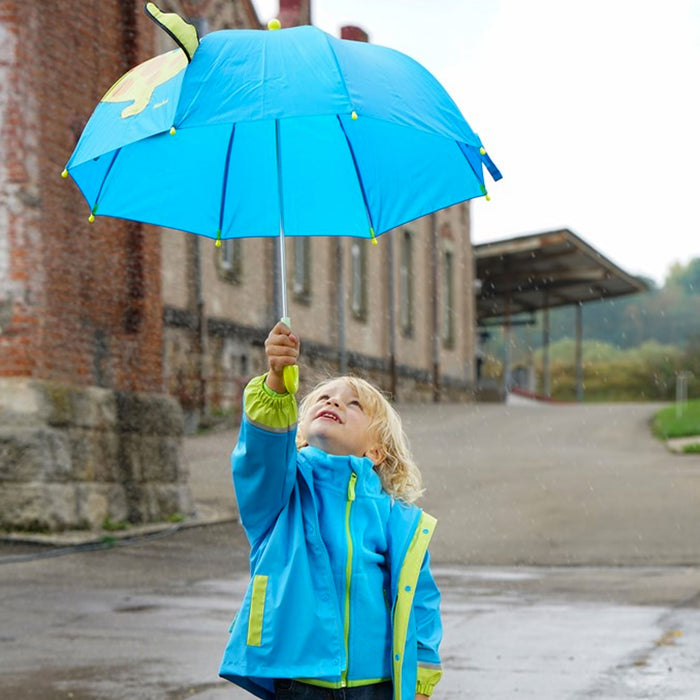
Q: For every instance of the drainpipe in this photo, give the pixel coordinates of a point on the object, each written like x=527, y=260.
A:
x=435, y=307
x=342, y=347
x=393, y=374
x=200, y=323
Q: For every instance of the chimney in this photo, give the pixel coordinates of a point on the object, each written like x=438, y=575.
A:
x=293, y=13
x=353, y=33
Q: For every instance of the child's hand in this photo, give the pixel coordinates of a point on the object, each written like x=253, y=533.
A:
x=282, y=349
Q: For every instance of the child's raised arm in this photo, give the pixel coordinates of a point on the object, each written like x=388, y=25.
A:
x=282, y=349
x=263, y=459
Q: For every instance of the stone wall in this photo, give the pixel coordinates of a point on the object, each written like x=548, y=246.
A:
x=74, y=458
x=84, y=433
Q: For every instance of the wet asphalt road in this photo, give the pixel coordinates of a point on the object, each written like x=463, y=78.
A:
x=567, y=552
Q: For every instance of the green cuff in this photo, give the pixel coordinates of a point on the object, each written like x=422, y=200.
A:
x=267, y=409
x=268, y=391
x=428, y=677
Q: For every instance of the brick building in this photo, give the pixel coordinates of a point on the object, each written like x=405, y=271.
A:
x=104, y=325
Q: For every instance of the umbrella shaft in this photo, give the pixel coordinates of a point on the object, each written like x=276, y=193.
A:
x=283, y=263
x=283, y=273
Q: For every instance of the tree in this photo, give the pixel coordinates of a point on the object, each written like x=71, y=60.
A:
x=687, y=277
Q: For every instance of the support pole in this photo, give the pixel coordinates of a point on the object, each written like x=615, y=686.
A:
x=546, y=375
x=579, y=352
x=507, y=337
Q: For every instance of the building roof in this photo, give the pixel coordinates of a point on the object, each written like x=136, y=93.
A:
x=545, y=270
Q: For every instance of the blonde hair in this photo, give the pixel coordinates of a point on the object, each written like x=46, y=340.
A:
x=399, y=474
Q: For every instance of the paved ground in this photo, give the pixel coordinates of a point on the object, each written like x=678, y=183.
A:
x=567, y=552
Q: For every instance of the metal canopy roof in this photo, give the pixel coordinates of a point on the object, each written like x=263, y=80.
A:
x=544, y=270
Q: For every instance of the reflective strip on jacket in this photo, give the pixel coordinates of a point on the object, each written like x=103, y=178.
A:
x=288, y=625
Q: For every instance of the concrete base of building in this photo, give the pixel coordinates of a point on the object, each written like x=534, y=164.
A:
x=87, y=457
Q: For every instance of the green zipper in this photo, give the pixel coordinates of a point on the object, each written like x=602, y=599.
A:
x=348, y=576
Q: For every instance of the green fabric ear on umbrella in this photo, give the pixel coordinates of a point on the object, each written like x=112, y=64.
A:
x=183, y=33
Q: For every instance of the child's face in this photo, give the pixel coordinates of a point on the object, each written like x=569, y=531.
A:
x=336, y=423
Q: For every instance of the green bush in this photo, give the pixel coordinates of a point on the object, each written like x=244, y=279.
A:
x=644, y=373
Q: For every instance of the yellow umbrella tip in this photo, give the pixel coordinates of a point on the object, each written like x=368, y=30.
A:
x=64, y=174
x=274, y=24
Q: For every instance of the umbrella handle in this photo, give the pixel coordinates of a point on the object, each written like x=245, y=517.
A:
x=290, y=374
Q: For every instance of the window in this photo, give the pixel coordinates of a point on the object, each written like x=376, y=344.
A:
x=302, y=269
x=358, y=279
x=230, y=256
x=448, y=299
x=406, y=284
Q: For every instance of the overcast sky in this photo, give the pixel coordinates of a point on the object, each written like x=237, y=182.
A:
x=590, y=108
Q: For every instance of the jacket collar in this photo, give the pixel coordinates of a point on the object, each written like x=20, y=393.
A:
x=336, y=469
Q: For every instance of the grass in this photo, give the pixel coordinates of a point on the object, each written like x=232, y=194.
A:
x=667, y=424
x=112, y=526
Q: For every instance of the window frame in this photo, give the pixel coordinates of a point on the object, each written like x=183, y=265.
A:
x=301, y=279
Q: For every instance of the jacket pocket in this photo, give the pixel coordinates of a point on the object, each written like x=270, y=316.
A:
x=257, y=611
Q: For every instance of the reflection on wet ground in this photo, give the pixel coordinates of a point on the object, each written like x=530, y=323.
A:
x=134, y=624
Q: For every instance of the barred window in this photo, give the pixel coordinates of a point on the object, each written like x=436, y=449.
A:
x=302, y=269
x=448, y=299
x=358, y=280
x=230, y=259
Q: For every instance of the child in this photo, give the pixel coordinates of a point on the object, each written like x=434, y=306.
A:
x=341, y=602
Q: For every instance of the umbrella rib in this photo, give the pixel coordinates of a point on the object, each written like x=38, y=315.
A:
x=104, y=179
x=359, y=177
x=227, y=166
x=479, y=176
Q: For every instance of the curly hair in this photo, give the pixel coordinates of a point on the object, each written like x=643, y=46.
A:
x=399, y=474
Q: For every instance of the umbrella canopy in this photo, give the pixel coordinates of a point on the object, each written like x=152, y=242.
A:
x=269, y=130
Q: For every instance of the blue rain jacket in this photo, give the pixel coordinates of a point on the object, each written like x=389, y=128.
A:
x=290, y=624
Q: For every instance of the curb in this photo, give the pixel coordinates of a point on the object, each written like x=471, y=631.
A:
x=678, y=445
x=82, y=538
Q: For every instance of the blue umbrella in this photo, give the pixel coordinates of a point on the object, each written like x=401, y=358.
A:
x=251, y=133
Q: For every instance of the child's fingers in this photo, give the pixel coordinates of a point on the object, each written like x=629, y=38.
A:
x=281, y=347
x=282, y=351
x=281, y=336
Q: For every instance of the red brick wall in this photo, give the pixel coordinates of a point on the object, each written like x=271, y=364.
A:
x=86, y=299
